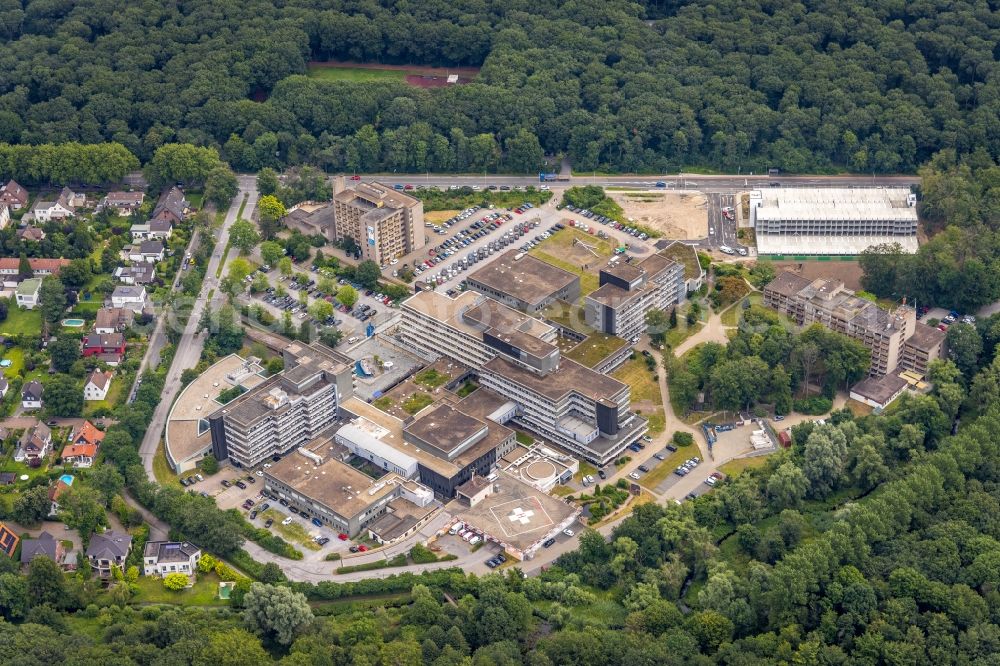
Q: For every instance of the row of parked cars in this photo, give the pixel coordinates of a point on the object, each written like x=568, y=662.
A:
x=687, y=466
x=496, y=560
x=474, y=257
x=607, y=221
x=466, y=533
x=447, y=224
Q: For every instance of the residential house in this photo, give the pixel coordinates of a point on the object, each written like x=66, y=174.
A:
x=107, y=550
x=45, y=545
x=86, y=433
x=83, y=445
x=172, y=206
x=130, y=297
x=27, y=293
x=165, y=557
x=113, y=320
x=147, y=251
x=64, y=206
x=123, y=203
x=137, y=274
x=4, y=387
x=56, y=491
x=10, y=269
x=31, y=395
x=8, y=540
x=98, y=383
x=107, y=347
x=14, y=195
x=36, y=442
x=30, y=233
x=4, y=215
x=155, y=229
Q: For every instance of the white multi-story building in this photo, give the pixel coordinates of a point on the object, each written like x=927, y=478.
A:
x=160, y=558
x=829, y=220
x=630, y=290
x=285, y=411
x=516, y=357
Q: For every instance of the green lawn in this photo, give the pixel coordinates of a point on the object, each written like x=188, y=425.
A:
x=416, y=402
x=109, y=402
x=585, y=469
x=355, y=74
x=737, y=466
x=589, y=282
x=22, y=322
x=523, y=438
x=643, y=382
x=431, y=378
x=16, y=357
x=575, y=258
x=162, y=470
x=293, y=532
x=466, y=389
x=667, y=467
x=204, y=592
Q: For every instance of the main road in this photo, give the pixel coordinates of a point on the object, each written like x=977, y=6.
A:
x=191, y=343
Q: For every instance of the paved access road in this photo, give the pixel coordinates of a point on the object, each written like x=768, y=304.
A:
x=190, y=345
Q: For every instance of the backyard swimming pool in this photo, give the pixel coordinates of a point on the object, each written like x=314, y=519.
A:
x=73, y=323
x=67, y=479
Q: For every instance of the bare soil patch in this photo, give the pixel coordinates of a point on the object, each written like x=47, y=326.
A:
x=848, y=271
x=678, y=215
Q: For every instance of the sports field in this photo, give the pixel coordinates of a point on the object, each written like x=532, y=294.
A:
x=355, y=74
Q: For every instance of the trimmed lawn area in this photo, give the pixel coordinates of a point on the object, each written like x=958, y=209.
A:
x=204, y=592
x=737, y=466
x=585, y=469
x=22, y=322
x=355, y=74
x=643, y=382
x=562, y=491
x=114, y=393
x=293, y=532
x=416, y=402
x=523, y=438
x=667, y=467
x=162, y=470
x=439, y=216
x=16, y=357
x=466, y=389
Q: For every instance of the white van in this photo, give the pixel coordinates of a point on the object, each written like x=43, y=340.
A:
x=351, y=340
x=456, y=528
x=726, y=249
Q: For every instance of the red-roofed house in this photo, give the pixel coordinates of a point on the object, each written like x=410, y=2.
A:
x=86, y=434
x=110, y=347
x=10, y=266
x=79, y=455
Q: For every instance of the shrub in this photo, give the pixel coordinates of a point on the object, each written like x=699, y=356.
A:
x=175, y=581
x=207, y=563
x=681, y=438
x=332, y=557
x=420, y=554
x=816, y=405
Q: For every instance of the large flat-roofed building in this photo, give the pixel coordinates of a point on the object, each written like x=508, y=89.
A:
x=443, y=448
x=925, y=345
x=840, y=221
x=524, y=282
x=829, y=302
x=322, y=487
x=384, y=222
x=629, y=290
x=472, y=328
x=284, y=411
x=188, y=436
x=516, y=358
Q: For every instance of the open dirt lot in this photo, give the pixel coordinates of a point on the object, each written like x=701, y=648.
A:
x=848, y=271
x=679, y=215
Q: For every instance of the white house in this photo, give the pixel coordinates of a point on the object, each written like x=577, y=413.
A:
x=137, y=274
x=4, y=214
x=156, y=229
x=63, y=207
x=123, y=203
x=27, y=293
x=148, y=251
x=31, y=395
x=97, y=385
x=4, y=387
x=130, y=297
x=165, y=557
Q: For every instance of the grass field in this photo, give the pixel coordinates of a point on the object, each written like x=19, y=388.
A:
x=595, y=348
x=643, y=382
x=16, y=357
x=667, y=467
x=293, y=532
x=439, y=216
x=737, y=466
x=355, y=74
x=22, y=322
x=204, y=592
x=161, y=469
x=109, y=402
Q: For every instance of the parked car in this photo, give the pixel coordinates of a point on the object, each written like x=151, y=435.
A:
x=287, y=521
x=269, y=522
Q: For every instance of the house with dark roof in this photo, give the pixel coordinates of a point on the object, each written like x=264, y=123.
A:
x=30, y=233
x=8, y=540
x=36, y=442
x=159, y=228
x=138, y=274
x=107, y=550
x=147, y=251
x=166, y=557
x=31, y=395
x=172, y=205
x=108, y=347
x=113, y=320
x=14, y=195
x=45, y=545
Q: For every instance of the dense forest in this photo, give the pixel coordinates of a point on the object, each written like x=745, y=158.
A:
x=866, y=85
